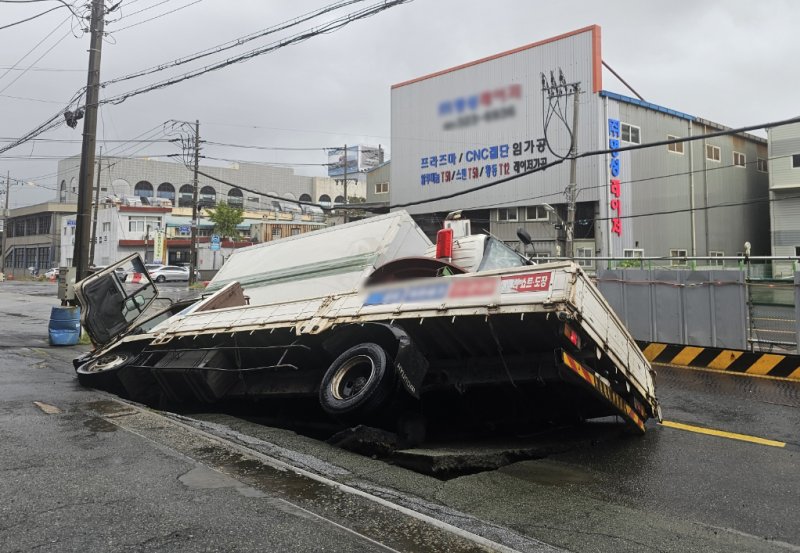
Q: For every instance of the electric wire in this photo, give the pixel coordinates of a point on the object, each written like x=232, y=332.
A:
x=232, y=44
x=159, y=16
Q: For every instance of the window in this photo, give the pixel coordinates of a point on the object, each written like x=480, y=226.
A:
x=276, y=233
x=208, y=197
x=739, y=159
x=235, y=198
x=185, y=196
x=585, y=257
x=295, y=231
x=507, y=214
x=761, y=165
x=143, y=189
x=382, y=188
x=676, y=148
x=633, y=253
x=712, y=152
x=106, y=227
x=680, y=254
x=305, y=198
x=140, y=224
x=716, y=262
x=629, y=133
x=795, y=161
x=797, y=251
x=536, y=213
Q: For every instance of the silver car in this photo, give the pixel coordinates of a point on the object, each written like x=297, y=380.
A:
x=169, y=272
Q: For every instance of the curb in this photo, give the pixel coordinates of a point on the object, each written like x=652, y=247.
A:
x=734, y=361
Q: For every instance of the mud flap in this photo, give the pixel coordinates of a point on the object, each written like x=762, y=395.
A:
x=575, y=371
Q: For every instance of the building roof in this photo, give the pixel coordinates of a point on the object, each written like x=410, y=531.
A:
x=46, y=207
x=675, y=113
x=647, y=105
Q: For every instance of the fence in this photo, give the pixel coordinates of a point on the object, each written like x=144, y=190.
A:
x=740, y=307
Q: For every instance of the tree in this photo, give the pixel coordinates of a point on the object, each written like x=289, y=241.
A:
x=225, y=219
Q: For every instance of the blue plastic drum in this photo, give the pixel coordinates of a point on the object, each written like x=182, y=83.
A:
x=65, y=326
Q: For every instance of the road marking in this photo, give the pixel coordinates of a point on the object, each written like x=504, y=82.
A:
x=723, y=434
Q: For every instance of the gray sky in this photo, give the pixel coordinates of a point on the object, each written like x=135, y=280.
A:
x=730, y=61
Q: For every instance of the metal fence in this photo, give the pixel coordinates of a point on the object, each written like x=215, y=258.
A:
x=743, y=306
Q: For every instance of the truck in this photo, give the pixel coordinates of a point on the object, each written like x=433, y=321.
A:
x=373, y=320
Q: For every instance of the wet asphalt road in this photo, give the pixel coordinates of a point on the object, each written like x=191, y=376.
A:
x=90, y=479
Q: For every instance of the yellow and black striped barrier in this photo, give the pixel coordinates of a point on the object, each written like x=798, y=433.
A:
x=751, y=363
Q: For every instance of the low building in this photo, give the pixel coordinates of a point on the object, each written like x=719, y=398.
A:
x=150, y=179
x=378, y=184
x=35, y=237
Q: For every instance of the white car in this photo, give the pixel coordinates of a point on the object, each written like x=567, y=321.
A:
x=169, y=272
x=51, y=273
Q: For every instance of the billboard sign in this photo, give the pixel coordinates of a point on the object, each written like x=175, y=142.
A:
x=159, y=246
x=359, y=159
x=489, y=120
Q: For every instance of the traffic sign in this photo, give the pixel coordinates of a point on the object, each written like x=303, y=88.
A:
x=184, y=229
x=214, y=246
x=215, y=239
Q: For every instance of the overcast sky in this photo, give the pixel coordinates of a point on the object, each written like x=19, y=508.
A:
x=730, y=61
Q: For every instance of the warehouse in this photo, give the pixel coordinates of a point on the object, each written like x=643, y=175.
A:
x=513, y=113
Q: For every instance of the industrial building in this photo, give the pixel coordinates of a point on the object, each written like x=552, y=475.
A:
x=512, y=113
x=784, y=195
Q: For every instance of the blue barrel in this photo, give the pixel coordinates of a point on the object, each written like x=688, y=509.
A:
x=65, y=326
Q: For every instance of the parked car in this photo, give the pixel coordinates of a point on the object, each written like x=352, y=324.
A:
x=51, y=273
x=120, y=271
x=169, y=272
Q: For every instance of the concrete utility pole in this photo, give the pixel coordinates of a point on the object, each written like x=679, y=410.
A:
x=346, y=218
x=80, y=255
x=572, y=189
x=5, y=225
x=96, y=208
x=193, y=239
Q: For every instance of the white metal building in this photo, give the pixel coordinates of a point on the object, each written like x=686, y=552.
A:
x=484, y=121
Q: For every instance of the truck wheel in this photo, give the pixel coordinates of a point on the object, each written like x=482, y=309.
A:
x=358, y=382
x=101, y=373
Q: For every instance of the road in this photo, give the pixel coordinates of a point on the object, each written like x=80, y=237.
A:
x=85, y=471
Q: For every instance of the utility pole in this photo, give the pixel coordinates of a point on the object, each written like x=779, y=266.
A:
x=193, y=240
x=5, y=225
x=346, y=218
x=80, y=255
x=96, y=208
x=555, y=90
x=572, y=189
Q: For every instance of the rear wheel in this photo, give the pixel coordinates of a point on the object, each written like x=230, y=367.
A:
x=358, y=383
x=161, y=278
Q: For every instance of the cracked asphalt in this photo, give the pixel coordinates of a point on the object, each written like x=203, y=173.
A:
x=84, y=472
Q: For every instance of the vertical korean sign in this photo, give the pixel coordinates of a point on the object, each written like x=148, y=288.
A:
x=615, y=205
x=159, y=246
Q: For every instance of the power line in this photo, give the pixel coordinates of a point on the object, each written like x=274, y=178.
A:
x=232, y=44
x=328, y=27
x=332, y=26
x=31, y=18
x=29, y=52
x=158, y=16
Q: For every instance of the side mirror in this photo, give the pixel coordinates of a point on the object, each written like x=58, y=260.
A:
x=524, y=236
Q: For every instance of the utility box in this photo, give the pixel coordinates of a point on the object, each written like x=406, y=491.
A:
x=66, y=283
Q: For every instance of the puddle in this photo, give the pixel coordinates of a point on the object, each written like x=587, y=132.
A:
x=204, y=478
x=548, y=473
x=96, y=424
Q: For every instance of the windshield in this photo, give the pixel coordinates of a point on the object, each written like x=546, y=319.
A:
x=497, y=255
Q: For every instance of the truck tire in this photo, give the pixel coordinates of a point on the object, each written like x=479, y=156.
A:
x=358, y=383
x=102, y=372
